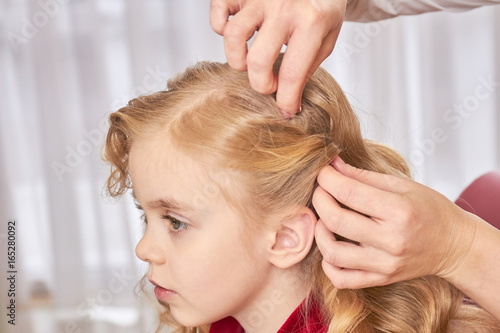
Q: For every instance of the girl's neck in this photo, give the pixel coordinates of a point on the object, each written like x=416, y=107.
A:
x=277, y=301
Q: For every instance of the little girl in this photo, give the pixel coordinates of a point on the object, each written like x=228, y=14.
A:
x=226, y=186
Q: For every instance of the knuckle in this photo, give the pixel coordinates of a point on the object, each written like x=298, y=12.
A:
x=233, y=31
x=217, y=3
x=391, y=268
x=359, y=173
x=217, y=19
x=316, y=18
x=329, y=257
x=337, y=221
x=257, y=60
x=332, y=220
x=260, y=64
x=336, y=278
x=382, y=281
x=349, y=193
x=236, y=31
x=218, y=27
x=399, y=247
x=291, y=74
x=408, y=214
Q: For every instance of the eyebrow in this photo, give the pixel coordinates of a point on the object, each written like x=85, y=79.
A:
x=168, y=203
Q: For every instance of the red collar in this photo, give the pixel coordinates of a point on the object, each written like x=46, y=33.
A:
x=312, y=322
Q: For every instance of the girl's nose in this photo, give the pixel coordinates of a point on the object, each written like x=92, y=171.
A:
x=149, y=248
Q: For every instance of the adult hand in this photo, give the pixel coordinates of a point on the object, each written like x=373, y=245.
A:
x=405, y=230
x=409, y=230
x=309, y=28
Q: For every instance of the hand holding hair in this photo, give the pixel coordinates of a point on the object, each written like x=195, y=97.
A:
x=407, y=230
x=309, y=29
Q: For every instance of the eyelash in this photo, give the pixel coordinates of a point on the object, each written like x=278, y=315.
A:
x=182, y=225
x=144, y=218
x=167, y=217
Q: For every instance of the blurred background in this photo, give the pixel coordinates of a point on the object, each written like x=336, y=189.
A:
x=428, y=86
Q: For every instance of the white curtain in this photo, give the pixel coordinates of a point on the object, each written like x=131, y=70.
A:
x=426, y=85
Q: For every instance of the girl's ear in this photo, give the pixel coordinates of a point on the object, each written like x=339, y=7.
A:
x=293, y=239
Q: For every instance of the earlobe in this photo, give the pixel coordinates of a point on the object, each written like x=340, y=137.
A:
x=293, y=239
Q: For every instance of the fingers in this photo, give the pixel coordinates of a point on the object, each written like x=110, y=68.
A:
x=219, y=15
x=236, y=34
x=263, y=53
x=348, y=256
x=355, y=194
x=353, y=278
x=295, y=69
x=309, y=32
x=350, y=266
x=305, y=52
x=344, y=222
x=379, y=180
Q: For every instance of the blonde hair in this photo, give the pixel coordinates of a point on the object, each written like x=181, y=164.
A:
x=211, y=111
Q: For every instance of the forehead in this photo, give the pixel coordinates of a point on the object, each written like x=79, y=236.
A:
x=159, y=169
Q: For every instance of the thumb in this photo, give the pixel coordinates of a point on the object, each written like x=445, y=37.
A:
x=381, y=181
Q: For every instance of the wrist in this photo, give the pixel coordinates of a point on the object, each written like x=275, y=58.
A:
x=463, y=250
x=472, y=255
x=476, y=275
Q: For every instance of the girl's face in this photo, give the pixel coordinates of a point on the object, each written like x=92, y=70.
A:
x=194, y=240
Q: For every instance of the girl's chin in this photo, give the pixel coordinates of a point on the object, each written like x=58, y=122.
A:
x=188, y=320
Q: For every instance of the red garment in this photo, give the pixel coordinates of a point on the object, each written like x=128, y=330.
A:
x=297, y=322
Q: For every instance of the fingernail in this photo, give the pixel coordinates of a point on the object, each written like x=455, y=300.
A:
x=285, y=114
x=337, y=161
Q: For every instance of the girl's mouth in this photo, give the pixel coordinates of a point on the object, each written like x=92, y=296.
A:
x=161, y=293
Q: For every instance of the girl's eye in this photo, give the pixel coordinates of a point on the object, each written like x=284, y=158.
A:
x=175, y=223
x=143, y=215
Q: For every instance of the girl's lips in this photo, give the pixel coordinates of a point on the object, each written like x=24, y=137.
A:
x=163, y=294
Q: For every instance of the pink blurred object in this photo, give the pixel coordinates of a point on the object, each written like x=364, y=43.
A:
x=482, y=197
